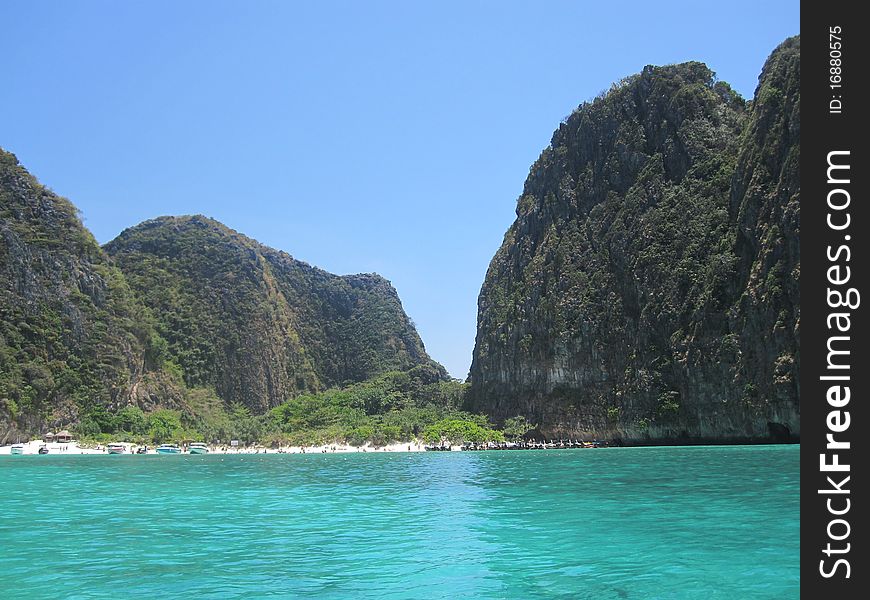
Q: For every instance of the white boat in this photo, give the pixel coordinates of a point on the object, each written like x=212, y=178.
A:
x=17, y=449
x=116, y=448
x=198, y=448
x=168, y=449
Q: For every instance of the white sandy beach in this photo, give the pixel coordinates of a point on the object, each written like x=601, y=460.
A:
x=74, y=448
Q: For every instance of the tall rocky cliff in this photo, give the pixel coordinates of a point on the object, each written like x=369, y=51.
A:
x=74, y=340
x=256, y=324
x=172, y=304
x=648, y=289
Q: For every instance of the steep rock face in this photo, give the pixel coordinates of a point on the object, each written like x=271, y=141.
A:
x=74, y=342
x=255, y=323
x=765, y=204
x=648, y=288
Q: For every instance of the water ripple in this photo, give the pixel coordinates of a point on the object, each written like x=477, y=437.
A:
x=607, y=523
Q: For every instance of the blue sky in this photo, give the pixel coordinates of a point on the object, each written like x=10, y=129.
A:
x=358, y=136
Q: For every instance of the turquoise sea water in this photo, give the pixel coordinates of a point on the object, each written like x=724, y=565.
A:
x=622, y=523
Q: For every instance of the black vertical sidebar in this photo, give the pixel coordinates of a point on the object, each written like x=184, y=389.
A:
x=835, y=223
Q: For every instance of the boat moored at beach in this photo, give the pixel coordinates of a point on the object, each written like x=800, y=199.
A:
x=43, y=449
x=116, y=448
x=17, y=449
x=168, y=449
x=198, y=448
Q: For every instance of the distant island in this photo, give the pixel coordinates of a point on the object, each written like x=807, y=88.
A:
x=647, y=293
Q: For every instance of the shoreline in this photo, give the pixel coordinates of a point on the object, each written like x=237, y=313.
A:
x=74, y=448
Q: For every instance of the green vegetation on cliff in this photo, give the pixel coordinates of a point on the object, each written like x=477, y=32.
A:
x=256, y=324
x=648, y=287
x=74, y=341
x=184, y=329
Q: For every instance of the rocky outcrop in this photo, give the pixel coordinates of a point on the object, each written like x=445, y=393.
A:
x=74, y=341
x=171, y=304
x=648, y=289
x=256, y=324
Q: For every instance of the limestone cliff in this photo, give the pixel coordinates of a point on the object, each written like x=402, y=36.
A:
x=648, y=289
x=172, y=304
x=75, y=343
x=253, y=322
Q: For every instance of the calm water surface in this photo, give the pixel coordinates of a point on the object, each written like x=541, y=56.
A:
x=622, y=523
